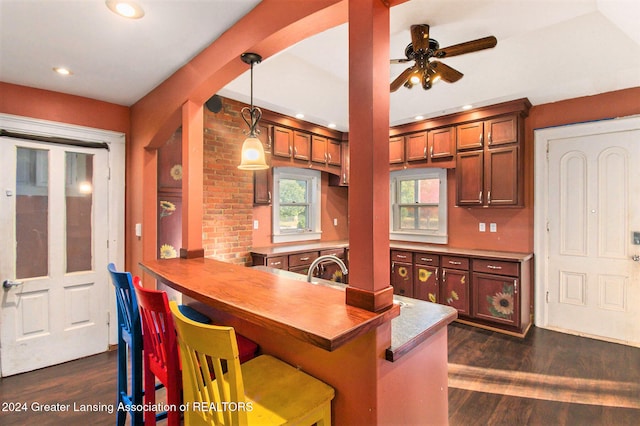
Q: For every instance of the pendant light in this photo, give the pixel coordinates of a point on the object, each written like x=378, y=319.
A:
x=252, y=150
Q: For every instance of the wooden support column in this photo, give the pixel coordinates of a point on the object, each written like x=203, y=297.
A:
x=192, y=179
x=369, y=155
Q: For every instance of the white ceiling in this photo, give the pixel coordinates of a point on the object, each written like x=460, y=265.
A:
x=548, y=50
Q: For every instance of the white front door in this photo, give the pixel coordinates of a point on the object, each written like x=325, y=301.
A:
x=53, y=240
x=591, y=283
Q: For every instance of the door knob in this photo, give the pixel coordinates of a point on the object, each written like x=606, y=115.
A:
x=635, y=258
x=9, y=283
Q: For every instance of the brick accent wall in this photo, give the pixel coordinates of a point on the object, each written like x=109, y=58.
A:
x=228, y=192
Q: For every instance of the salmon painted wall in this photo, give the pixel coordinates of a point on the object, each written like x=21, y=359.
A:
x=515, y=226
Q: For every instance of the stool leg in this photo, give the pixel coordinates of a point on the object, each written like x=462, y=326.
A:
x=149, y=395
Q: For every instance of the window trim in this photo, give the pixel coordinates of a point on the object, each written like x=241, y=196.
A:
x=436, y=237
x=314, y=230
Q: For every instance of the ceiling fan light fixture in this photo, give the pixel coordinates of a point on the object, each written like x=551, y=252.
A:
x=252, y=157
x=414, y=79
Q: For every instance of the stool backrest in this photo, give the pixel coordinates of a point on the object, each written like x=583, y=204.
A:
x=128, y=315
x=203, y=349
x=159, y=334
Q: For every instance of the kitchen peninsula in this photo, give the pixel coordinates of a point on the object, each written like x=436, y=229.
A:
x=311, y=327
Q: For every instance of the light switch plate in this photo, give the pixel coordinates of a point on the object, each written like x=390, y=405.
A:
x=493, y=227
x=255, y=224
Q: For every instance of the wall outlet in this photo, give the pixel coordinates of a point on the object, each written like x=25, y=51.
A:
x=255, y=224
x=493, y=227
x=482, y=227
x=138, y=230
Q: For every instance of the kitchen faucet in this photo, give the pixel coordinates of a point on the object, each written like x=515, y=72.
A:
x=327, y=257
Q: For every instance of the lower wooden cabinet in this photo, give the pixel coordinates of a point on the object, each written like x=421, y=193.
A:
x=496, y=299
x=300, y=262
x=402, y=273
x=488, y=292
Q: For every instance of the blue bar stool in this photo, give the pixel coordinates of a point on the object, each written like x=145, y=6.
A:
x=129, y=340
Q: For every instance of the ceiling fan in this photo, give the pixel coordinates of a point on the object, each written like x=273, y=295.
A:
x=423, y=50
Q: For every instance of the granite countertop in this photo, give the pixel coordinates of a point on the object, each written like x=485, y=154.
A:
x=395, y=245
x=418, y=320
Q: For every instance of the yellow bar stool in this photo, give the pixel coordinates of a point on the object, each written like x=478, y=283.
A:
x=262, y=391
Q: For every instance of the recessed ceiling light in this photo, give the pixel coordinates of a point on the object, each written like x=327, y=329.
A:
x=62, y=70
x=466, y=107
x=419, y=117
x=299, y=115
x=332, y=125
x=126, y=8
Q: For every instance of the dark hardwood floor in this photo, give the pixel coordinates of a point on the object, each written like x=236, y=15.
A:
x=548, y=378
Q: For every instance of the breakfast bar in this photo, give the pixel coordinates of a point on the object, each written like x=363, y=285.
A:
x=372, y=359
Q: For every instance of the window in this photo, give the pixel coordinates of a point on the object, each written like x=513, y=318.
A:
x=296, y=207
x=419, y=205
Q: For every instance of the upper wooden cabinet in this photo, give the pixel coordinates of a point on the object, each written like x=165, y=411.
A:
x=325, y=151
x=416, y=145
x=489, y=162
x=301, y=145
x=435, y=148
x=442, y=143
x=282, y=142
x=396, y=150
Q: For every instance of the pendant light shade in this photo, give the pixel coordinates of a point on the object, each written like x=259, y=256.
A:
x=253, y=155
x=252, y=151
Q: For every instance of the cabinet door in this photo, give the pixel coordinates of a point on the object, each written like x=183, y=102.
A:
x=345, y=164
x=502, y=176
x=319, y=149
x=402, y=278
x=470, y=135
x=501, y=130
x=396, y=150
x=416, y=145
x=263, y=184
x=496, y=299
x=282, y=142
x=333, y=153
x=265, y=136
x=455, y=289
x=425, y=285
x=442, y=143
x=301, y=146
x=469, y=178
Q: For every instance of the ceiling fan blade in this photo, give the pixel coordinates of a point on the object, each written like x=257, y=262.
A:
x=402, y=78
x=467, y=47
x=420, y=37
x=445, y=72
x=400, y=61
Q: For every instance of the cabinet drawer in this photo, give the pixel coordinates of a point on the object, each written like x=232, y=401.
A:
x=279, y=262
x=401, y=256
x=496, y=267
x=426, y=259
x=301, y=259
x=455, y=262
x=336, y=252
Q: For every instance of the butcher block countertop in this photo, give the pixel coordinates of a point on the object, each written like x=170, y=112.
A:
x=272, y=301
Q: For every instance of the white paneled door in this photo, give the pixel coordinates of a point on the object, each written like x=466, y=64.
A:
x=53, y=238
x=591, y=280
